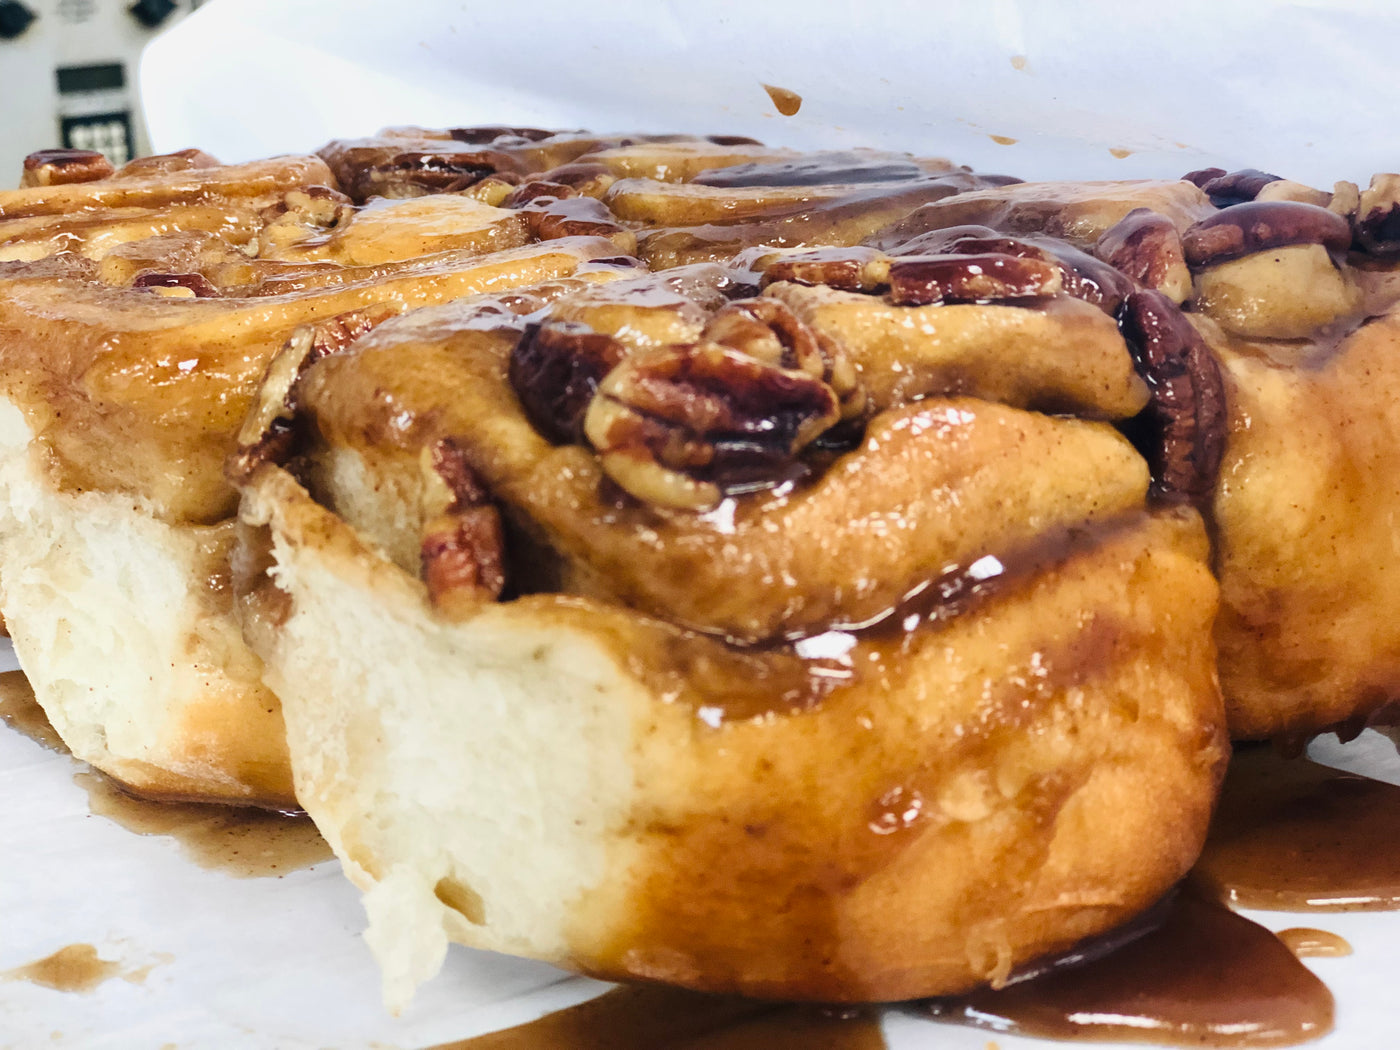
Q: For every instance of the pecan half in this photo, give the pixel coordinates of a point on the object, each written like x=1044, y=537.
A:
x=1182, y=431
x=574, y=216
x=923, y=280
x=555, y=370
x=1081, y=275
x=60, y=167
x=493, y=134
x=1201, y=176
x=162, y=163
x=1376, y=224
x=854, y=269
x=462, y=551
x=768, y=331
x=682, y=426
x=1147, y=247
x=195, y=283
x=1234, y=187
x=268, y=433
x=1261, y=225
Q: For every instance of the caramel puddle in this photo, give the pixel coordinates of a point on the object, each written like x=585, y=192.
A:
x=1204, y=977
x=1308, y=943
x=1292, y=835
x=647, y=1018
x=22, y=713
x=73, y=968
x=237, y=840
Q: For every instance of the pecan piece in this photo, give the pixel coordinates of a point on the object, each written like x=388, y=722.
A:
x=1201, y=176
x=268, y=433
x=1261, y=225
x=1182, y=431
x=195, y=283
x=555, y=370
x=1081, y=275
x=163, y=163
x=1376, y=224
x=551, y=217
x=60, y=167
x=493, y=134
x=462, y=551
x=1235, y=187
x=1147, y=247
x=923, y=280
x=682, y=426
x=855, y=269
x=768, y=331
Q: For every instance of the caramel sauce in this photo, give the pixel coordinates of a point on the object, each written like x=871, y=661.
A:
x=1120, y=153
x=1205, y=976
x=649, y=1018
x=73, y=968
x=22, y=713
x=1308, y=943
x=784, y=101
x=238, y=840
x=1291, y=835
x=1003, y=140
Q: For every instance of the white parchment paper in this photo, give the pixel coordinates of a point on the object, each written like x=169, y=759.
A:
x=1304, y=89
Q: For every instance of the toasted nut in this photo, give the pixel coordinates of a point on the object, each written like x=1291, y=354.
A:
x=682, y=426
x=1261, y=225
x=462, y=551
x=195, y=284
x=499, y=135
x=1201, y=176
x=848, y=269
x=590, y=180
x=59, y=167
x=1236, y=187
x=1346, y=199
x=415, y=173
x=267, y=433
x=1377, y=220
x=1081, y=275
x=767, y=330
x=555, y=370
x=161, y=163
x=537, y=189
x=1146, y=247
x=551, y=217
x=923, y=280
x=1182, y=431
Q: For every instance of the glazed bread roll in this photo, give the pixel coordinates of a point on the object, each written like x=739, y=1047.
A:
x=844, y=705
x=138, y=310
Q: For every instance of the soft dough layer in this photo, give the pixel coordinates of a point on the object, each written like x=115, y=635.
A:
x=124, y=625
x=968, y=796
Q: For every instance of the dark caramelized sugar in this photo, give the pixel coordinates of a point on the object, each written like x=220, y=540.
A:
x=237, y=840
x=22, y=713
x=1292, y=835
x=1204, y=977
x=646, y=1018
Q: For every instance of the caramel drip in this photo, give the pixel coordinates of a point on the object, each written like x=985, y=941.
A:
x=1204, y=977
x=237, y=840
x=22, y=713
x=784, y=101
x=653, y=1018
x=1291, y=835
x=1308, y=943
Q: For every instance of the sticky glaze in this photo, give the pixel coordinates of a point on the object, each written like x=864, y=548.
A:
x=237, y=840
x=645, y=1018
x=22, y=713
x=1204, y=977
x=1292, y=835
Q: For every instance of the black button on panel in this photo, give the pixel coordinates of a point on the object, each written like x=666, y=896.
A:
x=15, y=18
x=151, y=13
